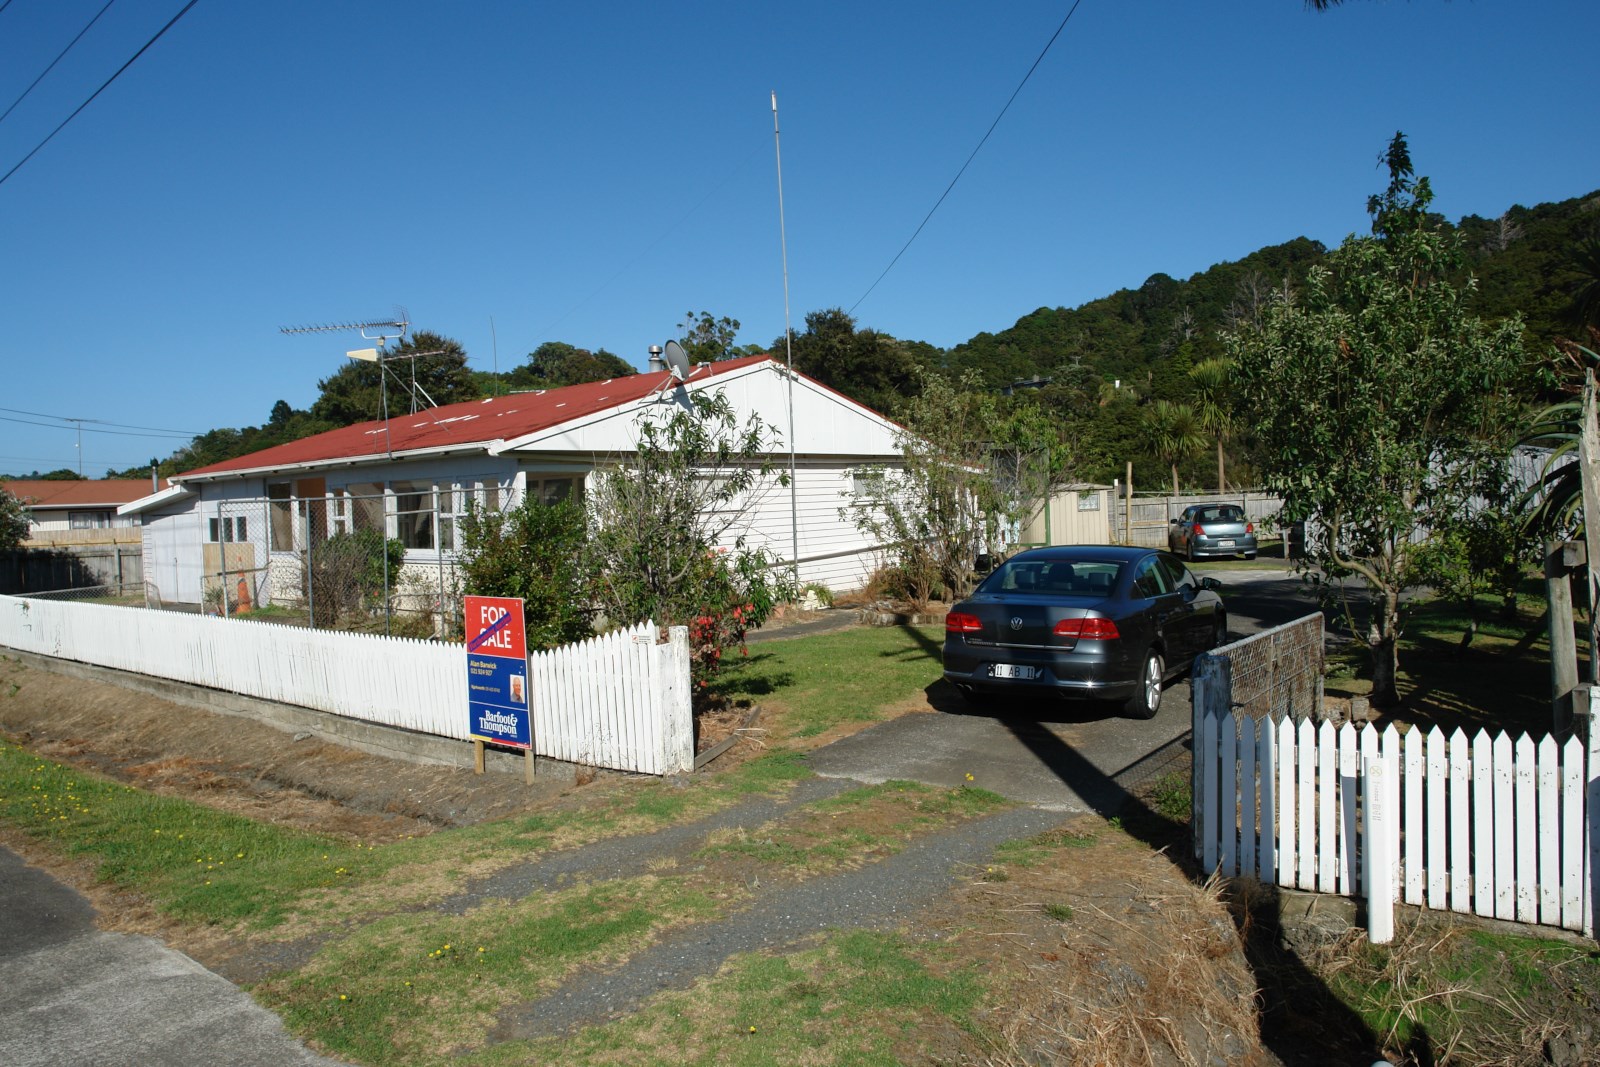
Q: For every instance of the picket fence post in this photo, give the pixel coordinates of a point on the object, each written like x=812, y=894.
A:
x=1377, y=865
x=1591, y=769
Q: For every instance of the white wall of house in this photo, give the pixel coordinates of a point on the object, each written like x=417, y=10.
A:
x=255, y=526
x=825, y=423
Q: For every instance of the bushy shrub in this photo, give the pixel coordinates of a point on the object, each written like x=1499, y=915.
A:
x=538, y=552
x=348, y=573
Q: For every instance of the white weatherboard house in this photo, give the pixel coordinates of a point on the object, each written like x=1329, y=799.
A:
x=250, y=518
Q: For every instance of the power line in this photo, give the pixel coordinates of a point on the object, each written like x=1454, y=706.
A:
x=86, y=429
x=103, y=422
x=159, y=34
x=970, y=158
x=57, y=59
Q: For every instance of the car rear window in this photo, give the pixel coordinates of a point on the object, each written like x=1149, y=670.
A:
x=1062, y=577
x=1220, y=515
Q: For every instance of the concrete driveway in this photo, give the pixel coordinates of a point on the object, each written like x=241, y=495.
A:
x=1063, y=757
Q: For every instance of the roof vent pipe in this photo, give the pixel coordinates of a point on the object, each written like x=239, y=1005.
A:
x=656, y=362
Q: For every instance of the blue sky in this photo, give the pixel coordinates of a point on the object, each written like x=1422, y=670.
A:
x=590, y=172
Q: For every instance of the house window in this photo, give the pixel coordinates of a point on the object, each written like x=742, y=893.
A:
x=554, y=490
x=866, y=485
x=280, y=516
x=338, y=512
x=452, y=508
x=414, y=514
x=1089, y=501
x=367, y=507
x=88, y=520
x=230, y=528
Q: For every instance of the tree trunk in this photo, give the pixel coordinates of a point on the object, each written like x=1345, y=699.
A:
x=1383, y=635
x=1222, y=482
x=1174, y=479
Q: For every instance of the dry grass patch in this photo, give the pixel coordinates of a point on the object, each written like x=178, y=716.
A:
x=1102, y=952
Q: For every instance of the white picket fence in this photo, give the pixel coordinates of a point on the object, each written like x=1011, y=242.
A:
x=620, y=701
x=1489, y=825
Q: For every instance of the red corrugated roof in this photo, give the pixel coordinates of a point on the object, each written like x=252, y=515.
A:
x=100, y=493
x=473, y=422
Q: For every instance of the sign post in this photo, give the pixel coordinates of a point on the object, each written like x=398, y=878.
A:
x=498, y=701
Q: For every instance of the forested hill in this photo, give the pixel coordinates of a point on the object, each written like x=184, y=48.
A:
x=1131, y=333
x=1525, y=261
x=1098, y=368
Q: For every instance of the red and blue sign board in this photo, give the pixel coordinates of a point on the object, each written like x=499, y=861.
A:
x=497, y=671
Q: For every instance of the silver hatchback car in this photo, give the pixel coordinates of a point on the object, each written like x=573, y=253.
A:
x=1208, y=530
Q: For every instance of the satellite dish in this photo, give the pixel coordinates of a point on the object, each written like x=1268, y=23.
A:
x=677, y=360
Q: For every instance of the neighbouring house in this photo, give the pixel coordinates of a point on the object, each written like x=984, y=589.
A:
x=248, y=520
x=58, y=508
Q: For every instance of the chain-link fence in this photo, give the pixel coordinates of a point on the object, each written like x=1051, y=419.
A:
x=1278, y=672
x=128, y=594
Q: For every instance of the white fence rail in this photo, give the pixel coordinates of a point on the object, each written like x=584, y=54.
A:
x=620, y=701
x=1489, y=825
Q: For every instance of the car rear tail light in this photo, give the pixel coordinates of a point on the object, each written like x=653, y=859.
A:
x=1199, y=531
x=958, y=622
x=1249, y=527
x=1087, y=629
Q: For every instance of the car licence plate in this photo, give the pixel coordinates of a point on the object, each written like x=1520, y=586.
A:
x=1010, y=670
x=1224, y=544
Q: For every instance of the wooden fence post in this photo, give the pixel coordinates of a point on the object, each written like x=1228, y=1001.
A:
x=1211, y=697
x=675, y=698
x=1559, y=559
x=1379, y=860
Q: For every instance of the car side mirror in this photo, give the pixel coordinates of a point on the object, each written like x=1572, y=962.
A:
x=1210, y=583
x=984, y=563
x=1174, y=521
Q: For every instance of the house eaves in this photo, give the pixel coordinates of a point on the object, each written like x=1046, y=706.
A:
x=339, y=462
x=170, y=495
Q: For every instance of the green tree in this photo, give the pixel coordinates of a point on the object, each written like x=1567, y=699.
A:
x=556, y=363
x=666, y=540
x=1213, y=407
x=1379, y=402
x=14, y=521
x=706, y=338
x=537, y=552
x=425, y=368
x=869, y=367
x=1176, y=434
x=966, y=474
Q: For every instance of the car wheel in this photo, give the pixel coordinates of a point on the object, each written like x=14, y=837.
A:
x=1146, y=701
x=1191, y=552
x=1249, y=555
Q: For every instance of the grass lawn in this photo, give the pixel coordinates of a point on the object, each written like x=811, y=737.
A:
x=1499, y=680
x=810, y=685
x=393, y=980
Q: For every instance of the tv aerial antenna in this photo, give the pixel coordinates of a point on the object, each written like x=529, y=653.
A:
x=381, y=331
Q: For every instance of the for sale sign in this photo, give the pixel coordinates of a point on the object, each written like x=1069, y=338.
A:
x=497, y=671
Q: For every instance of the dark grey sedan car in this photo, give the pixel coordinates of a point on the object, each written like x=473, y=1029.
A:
x=1092, y=621
x=1207, y=530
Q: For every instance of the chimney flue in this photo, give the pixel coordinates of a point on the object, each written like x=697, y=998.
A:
x=656, y=362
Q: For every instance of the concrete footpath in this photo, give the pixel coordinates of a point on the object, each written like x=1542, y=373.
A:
x=74, y=995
